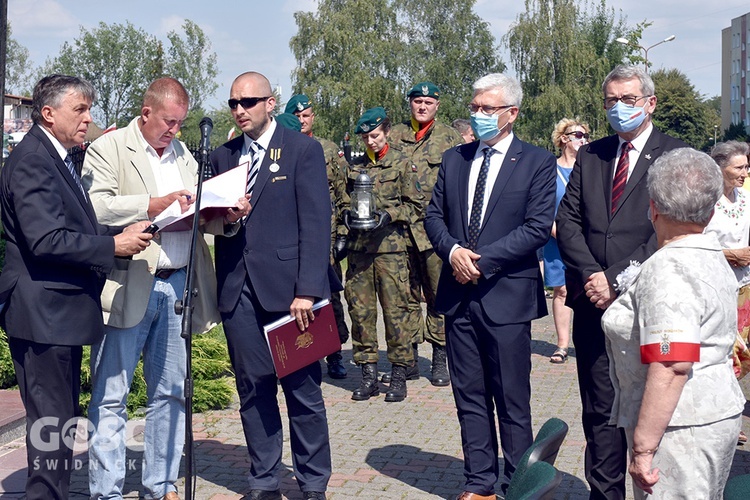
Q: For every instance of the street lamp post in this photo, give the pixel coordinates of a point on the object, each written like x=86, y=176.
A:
x=645, y=50
x=716, y=128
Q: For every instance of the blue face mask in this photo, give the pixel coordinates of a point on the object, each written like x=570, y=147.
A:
x=485, y=126
x=624, y=118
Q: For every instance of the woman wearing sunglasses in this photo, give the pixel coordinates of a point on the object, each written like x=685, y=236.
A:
x=568, y=135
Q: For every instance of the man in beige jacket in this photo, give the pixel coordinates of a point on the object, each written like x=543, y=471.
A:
x=133, y=174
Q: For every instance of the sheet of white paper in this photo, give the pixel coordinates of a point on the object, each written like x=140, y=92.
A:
x=221, y=191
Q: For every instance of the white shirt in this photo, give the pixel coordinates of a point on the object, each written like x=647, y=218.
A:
x=731, y=225
x=496, y=161
x=58, y=145
x=175, y=245
x=264, y=140
x=638, y=144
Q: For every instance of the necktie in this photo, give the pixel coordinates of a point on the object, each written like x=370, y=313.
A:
x=475, y=219
x=621, y=175
x=74, y=174
x=252, y=173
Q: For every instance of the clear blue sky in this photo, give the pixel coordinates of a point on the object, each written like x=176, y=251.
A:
x=254, y=35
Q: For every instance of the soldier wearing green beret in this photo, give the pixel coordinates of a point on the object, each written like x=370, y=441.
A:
x=423, y=140
x=377, y=258
x=300, y=107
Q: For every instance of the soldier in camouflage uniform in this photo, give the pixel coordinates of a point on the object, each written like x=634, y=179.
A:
x=301, y=107
x=424, y=140
x=377, y=258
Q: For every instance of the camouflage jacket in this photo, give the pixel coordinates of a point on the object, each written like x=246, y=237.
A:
x=336, y=167
x=395, y=192
x=424, y=159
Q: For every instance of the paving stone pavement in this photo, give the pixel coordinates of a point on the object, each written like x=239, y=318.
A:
x=408, y=450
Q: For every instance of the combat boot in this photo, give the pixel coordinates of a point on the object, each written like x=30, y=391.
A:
x=440, y=377
x=412, y=371
x=397, y=390
x=369, y=385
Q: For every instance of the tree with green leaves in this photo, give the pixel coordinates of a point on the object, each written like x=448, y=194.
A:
x=448, y=44
x=191, y=61
x=561, y=51
x=680, y=110
x=18, y=70
x=120, y=60
x=349, y=58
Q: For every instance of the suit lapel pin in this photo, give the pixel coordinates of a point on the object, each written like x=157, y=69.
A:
x=274, y=154
x=513, y=158
x=648, y=157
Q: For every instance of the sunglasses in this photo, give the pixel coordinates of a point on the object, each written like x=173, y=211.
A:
x=579, y=135
x=246, y=102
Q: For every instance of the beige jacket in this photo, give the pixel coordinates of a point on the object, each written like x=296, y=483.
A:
x=118, y=177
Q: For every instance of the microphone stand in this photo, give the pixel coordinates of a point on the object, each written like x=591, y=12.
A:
x=185, y=306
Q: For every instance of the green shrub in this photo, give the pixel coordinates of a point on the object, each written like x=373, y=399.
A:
x=7, y=372
x=212, y=375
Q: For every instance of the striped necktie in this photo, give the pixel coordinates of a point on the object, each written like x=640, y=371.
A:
x=475, y=219
x=72, y=169
x=252, y=173
x=621, y=175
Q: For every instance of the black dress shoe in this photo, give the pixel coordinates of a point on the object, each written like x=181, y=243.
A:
x=336, y=369
x=263, y=495
x=314, y=495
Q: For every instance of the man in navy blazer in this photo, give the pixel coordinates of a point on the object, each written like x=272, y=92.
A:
x=277, y=263
x=492, y=208
x=600, y=230
x=56, y=259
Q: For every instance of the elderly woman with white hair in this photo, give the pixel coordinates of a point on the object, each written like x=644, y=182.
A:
x=670, y=335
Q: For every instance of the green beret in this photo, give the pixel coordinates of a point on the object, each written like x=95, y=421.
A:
x=288, y=120
x=297, y=103
x=425, y=89
x=370, y=120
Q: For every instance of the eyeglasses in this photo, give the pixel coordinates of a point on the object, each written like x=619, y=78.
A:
x=579, y=135
x=627, y=100
x=246, y=102
x=487, y=110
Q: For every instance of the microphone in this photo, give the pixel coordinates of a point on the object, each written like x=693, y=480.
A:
x=206, y=126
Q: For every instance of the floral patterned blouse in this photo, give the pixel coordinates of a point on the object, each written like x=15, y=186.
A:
x=731, y=225
x=684, y=293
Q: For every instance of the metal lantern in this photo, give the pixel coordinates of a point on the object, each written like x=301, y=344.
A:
x=363, y=204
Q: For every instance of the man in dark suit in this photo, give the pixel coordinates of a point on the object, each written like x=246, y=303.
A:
x=602, y=226
x=56, y=258
x=491, y=209
x=276, y=264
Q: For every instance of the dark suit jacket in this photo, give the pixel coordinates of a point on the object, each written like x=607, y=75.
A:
x=285, y=241
x=591, y=240
x=517, y=222
x=56, y=254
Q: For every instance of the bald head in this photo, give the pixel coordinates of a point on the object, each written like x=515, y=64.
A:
x=254, y=90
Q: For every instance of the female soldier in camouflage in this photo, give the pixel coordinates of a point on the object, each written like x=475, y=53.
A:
x=378, y=269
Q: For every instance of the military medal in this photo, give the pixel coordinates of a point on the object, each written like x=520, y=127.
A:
x=275, y=155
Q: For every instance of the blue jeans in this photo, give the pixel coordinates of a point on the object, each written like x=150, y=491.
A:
x=113, y=362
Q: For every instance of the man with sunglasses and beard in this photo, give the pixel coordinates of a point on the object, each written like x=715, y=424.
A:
x=602, y=226
x=277, y=263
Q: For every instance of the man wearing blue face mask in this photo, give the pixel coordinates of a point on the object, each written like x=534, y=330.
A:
x=602, y=227
x=492, y=208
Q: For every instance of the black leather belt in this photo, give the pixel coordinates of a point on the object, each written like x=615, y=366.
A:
x=165, y=273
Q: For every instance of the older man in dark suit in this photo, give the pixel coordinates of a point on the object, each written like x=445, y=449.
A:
x=602, y=226
x=56, y=258
x=491, y=209
x=276, y=264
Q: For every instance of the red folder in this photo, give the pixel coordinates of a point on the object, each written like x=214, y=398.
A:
x=292, y=349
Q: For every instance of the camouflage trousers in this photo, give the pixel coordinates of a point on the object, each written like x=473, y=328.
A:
x=373, y=278
x=424, y=274
x=338, y=307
